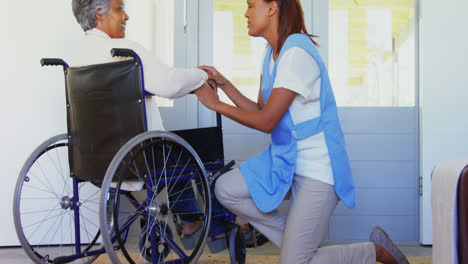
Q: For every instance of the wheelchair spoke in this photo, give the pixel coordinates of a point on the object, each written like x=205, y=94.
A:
x=174, y=171
x=35, y=212
x=91, y=222
x=59, y=171
x=56, y=196
x=154, y=163
x=31, y=176
x=56, y=230
x=136, y=169
x=181, y=192
x=85, y=228
x=61, y=233
x=50, y=228
x=92, y=210
x=39, y=198
x=134, y=172
x=47, y=175
x=164, y=169
x=94, y=194
x=177, y=163
x=180, y=174
x=188, y=213
x=47, y=218
x=147, y=168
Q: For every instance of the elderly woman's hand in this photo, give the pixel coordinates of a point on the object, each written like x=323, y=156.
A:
x=207, y=96
x=215, y=75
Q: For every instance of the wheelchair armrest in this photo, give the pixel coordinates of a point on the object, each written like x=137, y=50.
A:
x=223, y=170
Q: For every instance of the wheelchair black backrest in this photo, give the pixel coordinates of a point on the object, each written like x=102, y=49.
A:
x=105, y=109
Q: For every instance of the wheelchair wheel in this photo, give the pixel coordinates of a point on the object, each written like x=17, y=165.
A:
x=168, y=182
x=44, y=207
x=237, y=248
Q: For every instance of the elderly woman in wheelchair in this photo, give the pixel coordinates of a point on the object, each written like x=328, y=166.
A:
x=116, y=182
x=104, y=24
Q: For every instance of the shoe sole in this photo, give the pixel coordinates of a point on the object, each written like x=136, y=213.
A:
x=393, y=250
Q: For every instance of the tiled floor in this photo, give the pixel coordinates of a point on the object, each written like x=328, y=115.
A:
x=17, y=255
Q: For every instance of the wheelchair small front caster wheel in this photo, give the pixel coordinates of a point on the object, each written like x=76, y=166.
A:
x=237, y=248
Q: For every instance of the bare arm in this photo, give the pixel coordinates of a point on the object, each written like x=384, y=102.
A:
x=264, y=120
x=239, y=99
x=231, y=91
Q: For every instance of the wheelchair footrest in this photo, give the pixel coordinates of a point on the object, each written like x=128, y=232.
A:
x=62, y=260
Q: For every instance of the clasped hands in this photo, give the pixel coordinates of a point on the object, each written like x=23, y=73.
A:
x=207, y=93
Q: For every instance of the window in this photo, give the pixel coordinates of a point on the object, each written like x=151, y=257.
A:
x=236, y=55
x=377, y=66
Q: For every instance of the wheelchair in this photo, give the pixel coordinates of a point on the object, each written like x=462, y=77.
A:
x=111, y=186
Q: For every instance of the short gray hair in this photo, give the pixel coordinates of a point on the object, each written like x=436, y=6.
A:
x=85, y=11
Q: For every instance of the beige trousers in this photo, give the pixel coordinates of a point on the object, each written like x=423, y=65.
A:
x=300, y=234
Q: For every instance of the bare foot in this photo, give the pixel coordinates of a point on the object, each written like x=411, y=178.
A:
x=190, y=227
x=245, y=228
x=383, y=255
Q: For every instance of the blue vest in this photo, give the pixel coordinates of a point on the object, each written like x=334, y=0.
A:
x=269, y=175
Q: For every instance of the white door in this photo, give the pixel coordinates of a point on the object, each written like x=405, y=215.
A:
x=370, y=50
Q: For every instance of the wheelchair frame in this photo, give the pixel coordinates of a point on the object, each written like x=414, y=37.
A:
x=119, y=234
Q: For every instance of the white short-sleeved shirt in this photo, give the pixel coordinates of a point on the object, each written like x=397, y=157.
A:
x=160, y=79
x=299, y=72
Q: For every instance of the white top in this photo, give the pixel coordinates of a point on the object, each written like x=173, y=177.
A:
x=160, y=79
x=299, y=72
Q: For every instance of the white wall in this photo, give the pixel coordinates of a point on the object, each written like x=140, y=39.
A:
x=32, y=105
x=443, y=92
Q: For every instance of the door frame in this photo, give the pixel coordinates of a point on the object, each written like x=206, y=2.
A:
x=206, y=117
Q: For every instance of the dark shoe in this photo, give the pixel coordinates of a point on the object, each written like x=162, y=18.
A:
x=254, y=238
x=190, y=241
x=379, y=236
x=217, y=245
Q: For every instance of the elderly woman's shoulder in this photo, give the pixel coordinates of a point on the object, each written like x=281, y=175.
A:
x=109, y=43
x=130, y=44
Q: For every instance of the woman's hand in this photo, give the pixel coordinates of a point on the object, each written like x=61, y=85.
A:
x=215, y=75
x=207, y=96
